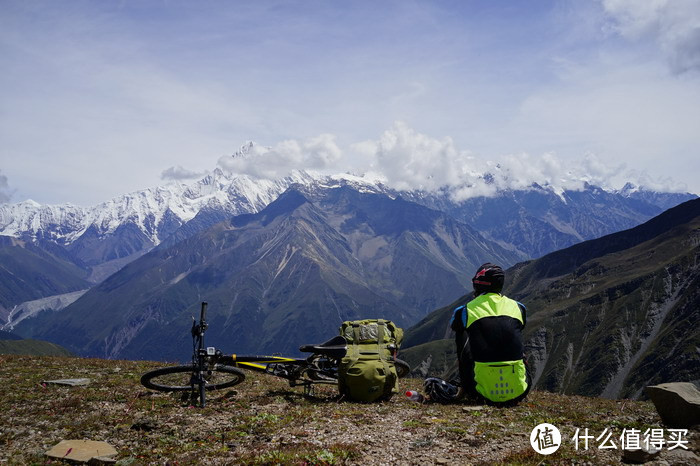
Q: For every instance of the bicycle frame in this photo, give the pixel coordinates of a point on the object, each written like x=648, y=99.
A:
x=201, y=356
x=209, y=363
x=315, y=369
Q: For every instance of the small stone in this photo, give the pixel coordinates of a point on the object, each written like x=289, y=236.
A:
x=69, y=382
x=640, y=456
x=442, y=461
x=467, y=409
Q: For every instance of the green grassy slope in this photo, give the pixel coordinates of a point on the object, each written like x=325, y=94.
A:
x=32, y=348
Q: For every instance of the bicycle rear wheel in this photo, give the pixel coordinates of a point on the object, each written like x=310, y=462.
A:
x=402, y=368
x=179, y=378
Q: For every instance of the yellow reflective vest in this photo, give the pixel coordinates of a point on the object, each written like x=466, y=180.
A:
x=498, y=381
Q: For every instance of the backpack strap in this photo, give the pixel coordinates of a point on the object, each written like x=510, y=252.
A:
x=355, y=332
x=381, y=330
x=386, y=357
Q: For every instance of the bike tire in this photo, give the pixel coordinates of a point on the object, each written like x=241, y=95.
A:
x=402, y=368
x=178, y=378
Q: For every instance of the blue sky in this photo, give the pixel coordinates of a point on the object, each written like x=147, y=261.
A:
x=100, y=98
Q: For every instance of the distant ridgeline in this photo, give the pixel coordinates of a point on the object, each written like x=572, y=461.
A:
x=14, y=344
x=606, y=317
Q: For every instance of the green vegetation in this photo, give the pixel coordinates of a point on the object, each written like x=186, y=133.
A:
x=264, y=421
x=441, y=355
x=32, y=348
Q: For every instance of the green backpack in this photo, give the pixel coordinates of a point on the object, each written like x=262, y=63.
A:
x=367, y=372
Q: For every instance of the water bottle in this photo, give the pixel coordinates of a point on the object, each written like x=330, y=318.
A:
x=415, y=396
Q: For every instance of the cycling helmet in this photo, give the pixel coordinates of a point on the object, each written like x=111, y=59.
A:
x=440, y=391
x=488, y=279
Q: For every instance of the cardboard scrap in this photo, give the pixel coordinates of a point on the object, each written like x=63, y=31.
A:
x=81, y=450
x=71, y=382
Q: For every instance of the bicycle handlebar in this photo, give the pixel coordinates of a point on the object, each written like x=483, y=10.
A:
x=203, y=313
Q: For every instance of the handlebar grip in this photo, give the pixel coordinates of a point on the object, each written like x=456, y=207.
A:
x=203, y=314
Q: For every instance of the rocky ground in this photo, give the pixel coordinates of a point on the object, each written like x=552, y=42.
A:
x=264, y=421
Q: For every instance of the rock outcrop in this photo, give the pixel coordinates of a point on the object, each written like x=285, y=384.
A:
x=677, y=403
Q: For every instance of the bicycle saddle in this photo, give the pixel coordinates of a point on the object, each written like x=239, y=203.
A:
x=335, y=348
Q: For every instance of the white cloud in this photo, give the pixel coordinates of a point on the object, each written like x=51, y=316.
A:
x=659, y=183
x=595, y=171
x=411, y=160
x=674, y=25
x=405, y=159
x=319, y=153
x=180, y=173
x=522, y=171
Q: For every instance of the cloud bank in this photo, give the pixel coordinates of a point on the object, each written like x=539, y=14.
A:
x=674, y=25
x=319, y=154
x=405, y=159
x=177, y=173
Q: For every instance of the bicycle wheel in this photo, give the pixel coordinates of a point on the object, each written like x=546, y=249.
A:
x=402, y=368
x=178, y=378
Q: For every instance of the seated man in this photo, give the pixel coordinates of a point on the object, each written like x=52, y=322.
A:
x=489, y=342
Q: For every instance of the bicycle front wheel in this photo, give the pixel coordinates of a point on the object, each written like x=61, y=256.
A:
x=179, y=378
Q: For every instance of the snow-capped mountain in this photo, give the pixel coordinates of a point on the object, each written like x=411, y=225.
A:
x=146, y=209
x=661, y=199
x=153, y=210
x=106, y=237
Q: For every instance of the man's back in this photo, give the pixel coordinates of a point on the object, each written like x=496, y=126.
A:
x=494, y=325
x=489, y=341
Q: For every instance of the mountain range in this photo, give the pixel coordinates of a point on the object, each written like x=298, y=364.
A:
x=284, y=262
x=607, y=317
x=531, y=222
x=285, y=276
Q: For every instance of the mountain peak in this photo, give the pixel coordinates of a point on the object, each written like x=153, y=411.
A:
x=629, y=188
x=286, y=203
x=245, y=150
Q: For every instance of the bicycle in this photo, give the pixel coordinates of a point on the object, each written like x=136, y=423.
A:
x=210, y=369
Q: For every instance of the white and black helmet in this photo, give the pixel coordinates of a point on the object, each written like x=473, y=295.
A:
x=439, y=390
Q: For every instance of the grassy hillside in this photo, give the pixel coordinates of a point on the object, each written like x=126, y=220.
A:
x=28, y=272
x=263, y=421
x=435, y=358
x=32, y=348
